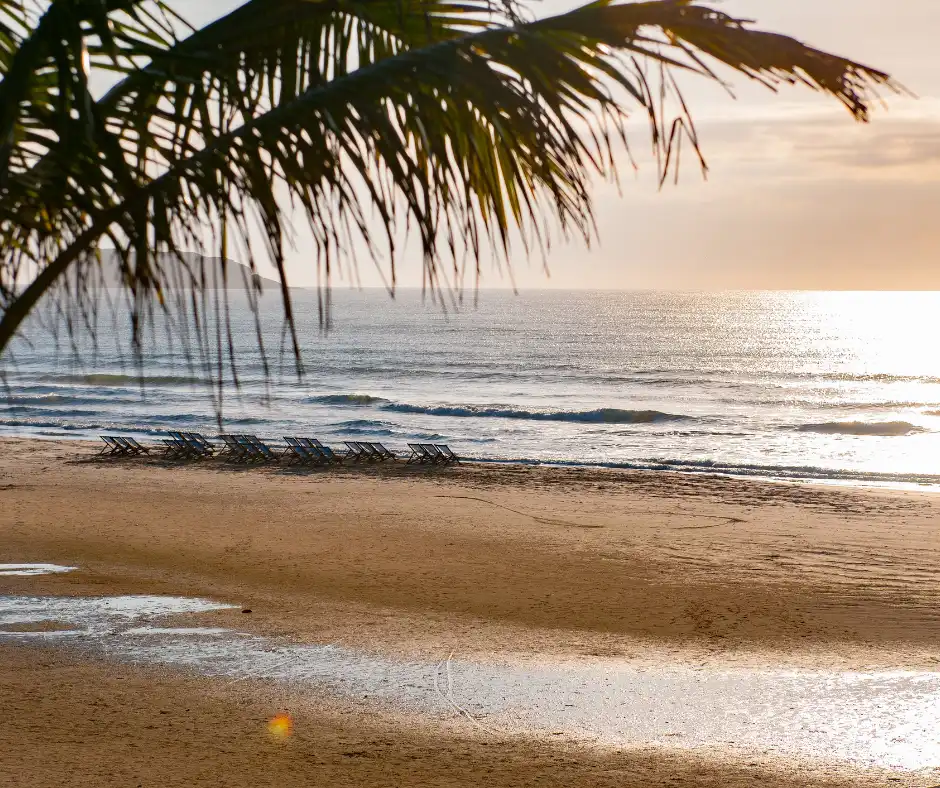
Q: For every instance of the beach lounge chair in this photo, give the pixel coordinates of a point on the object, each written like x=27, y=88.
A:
x=189, y=448
x=248, y=452
x=449, y=455
x=293, y=452
x=231, y=448
x=435, y=455
x=387, y=454
x=112, y=447
x=372, y=453
x=131, y=447
x=420, y=454
x=259, y=449
x=356, y=453
x=200, y=442
x=176, y=449
x=236, y=448
x=135, y=446
x=328, y=454
x=297, y=452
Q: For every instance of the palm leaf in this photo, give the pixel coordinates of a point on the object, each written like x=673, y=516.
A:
x=431, y=116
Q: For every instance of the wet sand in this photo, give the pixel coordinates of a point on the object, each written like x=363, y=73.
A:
x=81, y=724
x=477, y=561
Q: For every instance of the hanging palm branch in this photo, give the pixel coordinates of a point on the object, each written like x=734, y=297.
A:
x=460, y=121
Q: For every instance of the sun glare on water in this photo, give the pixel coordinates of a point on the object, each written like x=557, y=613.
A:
x=280, y=726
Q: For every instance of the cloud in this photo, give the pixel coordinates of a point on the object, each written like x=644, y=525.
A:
x=821, y=147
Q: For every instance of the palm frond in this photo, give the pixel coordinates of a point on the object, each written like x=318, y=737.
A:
x=458, y=120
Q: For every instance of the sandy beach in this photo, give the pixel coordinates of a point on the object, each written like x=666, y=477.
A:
x=485, y=561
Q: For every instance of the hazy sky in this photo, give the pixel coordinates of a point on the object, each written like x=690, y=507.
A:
x=798, y=195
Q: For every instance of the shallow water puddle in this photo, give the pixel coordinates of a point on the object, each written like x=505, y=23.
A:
x=30, y=570
x=881, y=719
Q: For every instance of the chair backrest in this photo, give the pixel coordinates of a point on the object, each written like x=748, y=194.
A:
x=192, y=442
x=444, y=449
x=384, y=451
x=260, y=446
x=245, y=445
x=355, y=448
x=316, y=448
x=125, y=443
x=301, y=451
x=432, y=451
x=293, y=442
x=326, y=451
x=133, y=442
x=370, y=450
x=111, y=441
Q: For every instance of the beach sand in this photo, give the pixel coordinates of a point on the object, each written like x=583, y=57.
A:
x=477, y=560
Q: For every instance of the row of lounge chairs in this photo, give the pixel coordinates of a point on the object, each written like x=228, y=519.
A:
x=298, y=451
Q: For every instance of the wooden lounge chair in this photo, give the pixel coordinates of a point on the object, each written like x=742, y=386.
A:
x=135, y=446
x=232, y=448
x=249, y=452
x=112, y=447
x=297, y=452
x=200, y=443
x=356, y=453
x=131, y=447
x=372, y=453
x=449, y=455
x=186, y=447
x=435, y=455
x=176, y=449
x=328, y=454
x=387, y=454
x=260, y=450
x=421, y=454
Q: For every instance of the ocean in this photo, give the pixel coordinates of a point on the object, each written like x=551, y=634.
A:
x=837, y=387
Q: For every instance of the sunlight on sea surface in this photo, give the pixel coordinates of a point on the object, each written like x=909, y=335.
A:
x=821, y=386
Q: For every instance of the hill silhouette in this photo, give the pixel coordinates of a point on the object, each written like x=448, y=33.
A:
x=237, y=274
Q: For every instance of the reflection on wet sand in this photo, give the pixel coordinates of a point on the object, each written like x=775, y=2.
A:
x=31, y=570
x=875, y=718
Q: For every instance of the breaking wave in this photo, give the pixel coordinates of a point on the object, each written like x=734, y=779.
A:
x=594, y=416
x=885, y=429
x=118, y=380
x=597, y=416
x=347, y=399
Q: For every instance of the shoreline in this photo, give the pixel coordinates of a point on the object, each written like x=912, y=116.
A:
x=873, y=480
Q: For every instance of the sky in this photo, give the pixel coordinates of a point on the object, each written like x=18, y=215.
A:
x=798, y=195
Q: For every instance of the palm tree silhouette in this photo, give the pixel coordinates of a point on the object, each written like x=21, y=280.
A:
x=465, y=121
